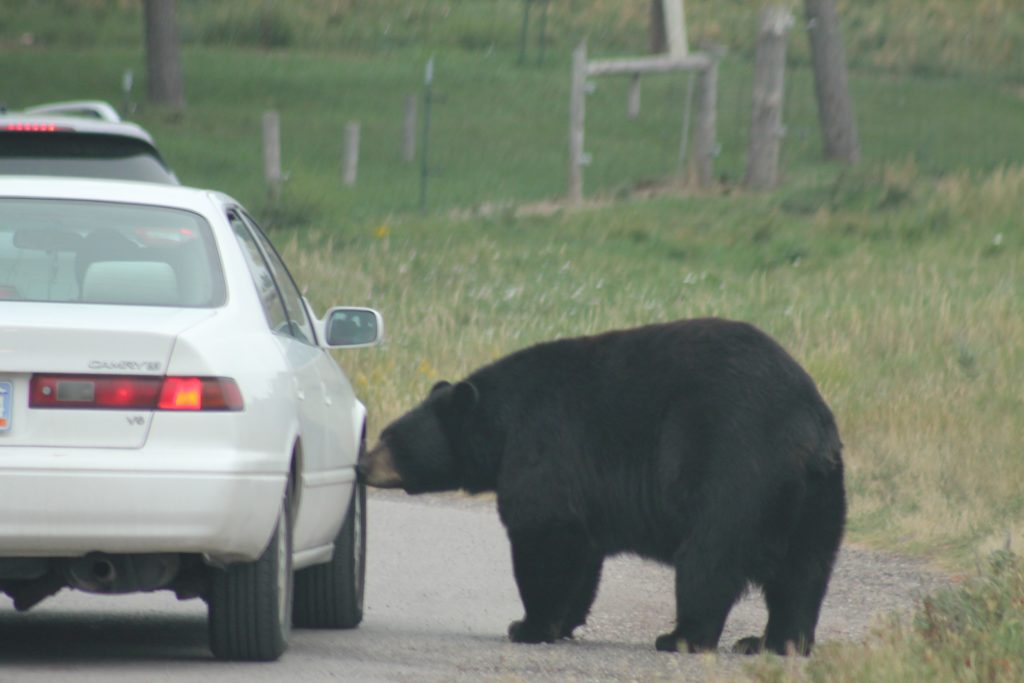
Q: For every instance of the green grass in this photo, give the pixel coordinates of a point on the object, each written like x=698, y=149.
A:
x=899, y=284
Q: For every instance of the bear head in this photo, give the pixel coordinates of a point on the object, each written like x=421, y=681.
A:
x=417, y=451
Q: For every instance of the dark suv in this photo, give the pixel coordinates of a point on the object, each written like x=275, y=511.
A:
x=84, y=139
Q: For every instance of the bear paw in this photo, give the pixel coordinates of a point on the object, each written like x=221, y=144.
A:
x=524, y=632
x=673, y=642
x=749, y=646
x=667, y=642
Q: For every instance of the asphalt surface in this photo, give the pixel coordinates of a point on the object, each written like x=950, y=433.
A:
x=440, y=595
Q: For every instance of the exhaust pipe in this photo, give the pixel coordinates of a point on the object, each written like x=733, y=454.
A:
x=94, y=573
x=102, y=573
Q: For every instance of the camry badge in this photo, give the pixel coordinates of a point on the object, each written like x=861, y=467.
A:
x=134, y=365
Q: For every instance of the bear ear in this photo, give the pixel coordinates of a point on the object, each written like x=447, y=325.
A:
x=466, y=395
x=439, y=386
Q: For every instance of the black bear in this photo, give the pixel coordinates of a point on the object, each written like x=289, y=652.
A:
x=699, y=443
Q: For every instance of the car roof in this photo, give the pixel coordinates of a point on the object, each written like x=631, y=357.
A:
x=83, y=116
x=120, y=191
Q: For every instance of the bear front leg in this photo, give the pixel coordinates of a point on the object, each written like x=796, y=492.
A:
x=549, y=566
x=584, y=594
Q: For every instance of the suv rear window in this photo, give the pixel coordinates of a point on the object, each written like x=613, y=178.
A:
x=107, y=253
x=85, y=155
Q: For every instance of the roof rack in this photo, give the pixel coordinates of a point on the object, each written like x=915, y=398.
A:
x=91, y=108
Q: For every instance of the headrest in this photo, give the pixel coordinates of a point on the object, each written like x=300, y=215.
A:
x=143, y=283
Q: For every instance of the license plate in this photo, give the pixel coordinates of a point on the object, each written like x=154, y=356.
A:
x=6, y=399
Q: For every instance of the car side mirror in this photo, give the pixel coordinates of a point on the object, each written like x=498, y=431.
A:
x=347, y=327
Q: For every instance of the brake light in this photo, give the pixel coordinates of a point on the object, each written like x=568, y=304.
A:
x=34, y=128
x=134, y=393
x=165, y=237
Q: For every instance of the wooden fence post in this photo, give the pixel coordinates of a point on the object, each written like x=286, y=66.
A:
x=684, y=137
x=769, y=77
x=705, y=145
x=577, y=117
x=272, y=153
x=633, y=106
x=409, y=130
x=675, y=27
x=350, y=158
x=831, y=87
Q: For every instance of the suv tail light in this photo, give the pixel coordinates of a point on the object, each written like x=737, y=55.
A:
x=35, y=128
x=125, y=392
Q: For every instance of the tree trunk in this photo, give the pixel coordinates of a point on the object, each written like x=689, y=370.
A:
x=835, y=108
x=769, y=80
x=164, y=84
x=657, y=28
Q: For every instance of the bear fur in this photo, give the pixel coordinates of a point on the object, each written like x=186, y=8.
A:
x=697, y=443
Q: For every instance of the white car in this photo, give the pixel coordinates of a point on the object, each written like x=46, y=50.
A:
x=170, y=416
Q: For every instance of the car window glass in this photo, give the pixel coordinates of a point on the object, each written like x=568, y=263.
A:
x=96, y=252
x=299, y=321
x=270, y=298
x=82, y=155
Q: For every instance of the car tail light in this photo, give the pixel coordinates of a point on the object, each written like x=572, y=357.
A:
x=134, y=393
x=35, y=128
x=199, y=393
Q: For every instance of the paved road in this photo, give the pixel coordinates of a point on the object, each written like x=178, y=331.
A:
x=440, y=595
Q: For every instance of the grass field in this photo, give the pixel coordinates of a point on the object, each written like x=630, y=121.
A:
x=898, y=284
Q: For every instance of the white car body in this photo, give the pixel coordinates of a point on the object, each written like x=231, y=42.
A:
x=115, y=481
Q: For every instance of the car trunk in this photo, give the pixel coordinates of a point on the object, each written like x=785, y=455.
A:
x=88, y=342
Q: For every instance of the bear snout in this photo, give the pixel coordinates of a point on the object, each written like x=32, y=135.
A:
x=377, y=468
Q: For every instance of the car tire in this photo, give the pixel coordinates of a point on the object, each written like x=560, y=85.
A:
x=330, y=595
x=250, y=603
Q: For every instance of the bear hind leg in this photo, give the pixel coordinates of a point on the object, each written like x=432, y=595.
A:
x=551, y=571
x=793, y=607
x=795, y=594
x=700, y=620
x=708, y=583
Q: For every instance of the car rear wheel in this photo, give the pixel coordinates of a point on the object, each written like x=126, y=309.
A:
x=250, y=603
x=330, y=595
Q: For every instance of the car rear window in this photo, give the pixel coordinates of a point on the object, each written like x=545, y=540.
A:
x=107, y=253
x=85, y=155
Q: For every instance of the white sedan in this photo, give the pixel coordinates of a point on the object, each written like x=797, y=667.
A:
x=170, y=416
